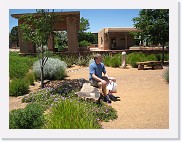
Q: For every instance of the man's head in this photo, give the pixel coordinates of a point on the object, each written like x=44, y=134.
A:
x=98, y=58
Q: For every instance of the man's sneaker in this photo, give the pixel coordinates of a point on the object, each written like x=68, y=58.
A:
x=107, y=99
x=113, y=98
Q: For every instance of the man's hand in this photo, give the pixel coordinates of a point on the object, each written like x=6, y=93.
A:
x=104, y=82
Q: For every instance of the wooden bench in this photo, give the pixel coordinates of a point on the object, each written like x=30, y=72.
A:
x=153, y=64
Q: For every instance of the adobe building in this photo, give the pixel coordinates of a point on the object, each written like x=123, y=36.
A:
x=64, y=21
x=116, y=38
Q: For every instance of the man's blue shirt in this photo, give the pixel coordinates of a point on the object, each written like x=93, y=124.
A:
x=96, y=69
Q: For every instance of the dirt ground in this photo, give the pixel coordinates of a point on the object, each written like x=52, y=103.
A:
x=144, y=98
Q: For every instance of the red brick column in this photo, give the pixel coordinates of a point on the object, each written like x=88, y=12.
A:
x=72, y=32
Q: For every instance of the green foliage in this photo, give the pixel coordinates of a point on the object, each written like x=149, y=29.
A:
x=53, y=69
x=63, y=105
x=135, y=57
x=84, y=24
x=166, y=75
x=37, y=30
x=29, y=78
x=84, y=43
x=86, y=36
x=115, y=61
x=83, y=61
x=154, y=24
x=69, y=60
x=105, y=113
x=106, y=60
x=29, y=118
x=158, y=57
x=13, y=36
x=18, y=87
x=45, y=97
x=112, y=61
x=166, y=57
x=19, y=65
x=151, y=57
x=71, y=114
x=61, y=40
x=83, y=35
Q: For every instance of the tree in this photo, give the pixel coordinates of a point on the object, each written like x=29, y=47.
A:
x=87, y=37
x=37, y=31
x=61, y=40
x=84, y=25
x=13, y=36
x=154, y=26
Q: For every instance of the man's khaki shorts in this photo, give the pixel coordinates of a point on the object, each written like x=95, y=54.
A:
x=95, y=83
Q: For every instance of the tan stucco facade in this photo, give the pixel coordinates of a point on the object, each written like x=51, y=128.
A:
x=115, y=38
x=65, y=21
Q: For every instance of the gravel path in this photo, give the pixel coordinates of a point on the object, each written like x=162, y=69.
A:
x=144, y=96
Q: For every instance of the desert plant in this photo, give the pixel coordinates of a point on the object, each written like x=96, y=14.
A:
x=107, y=60
x=71, y=114
x=53, y=69
x=18, y=87
x=29, y=78
x=151, y=57
x=135, y=57
x=28, y=118
x=115, y=61
x=19, y=65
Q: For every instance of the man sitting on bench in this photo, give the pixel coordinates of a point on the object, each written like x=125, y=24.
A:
x=96, y=79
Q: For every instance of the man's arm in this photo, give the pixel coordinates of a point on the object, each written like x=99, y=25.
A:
x=96, y=77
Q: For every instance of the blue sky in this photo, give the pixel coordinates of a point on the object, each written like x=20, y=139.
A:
x=98, y=18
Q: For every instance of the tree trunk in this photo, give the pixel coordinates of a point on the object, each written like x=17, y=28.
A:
x=42, y=77
x=42, y=68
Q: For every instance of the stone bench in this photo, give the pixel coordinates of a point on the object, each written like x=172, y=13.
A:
x=88, y=92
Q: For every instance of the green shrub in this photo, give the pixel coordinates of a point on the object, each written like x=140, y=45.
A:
x=69, y=60
x=45, y=97
x=84, y=43
x=18, y=87
x=158, y=57
x=71, y=114
x=135, y=57
x=29, y=78
x=112, y=61
x=115, y=61
x=151, y=57
x=53, y=69
x=166, y=57
x=19, y=65
x=105, y=113
x=28, y=118
x=83, y=61
x=107, y=60
x=166, y=75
